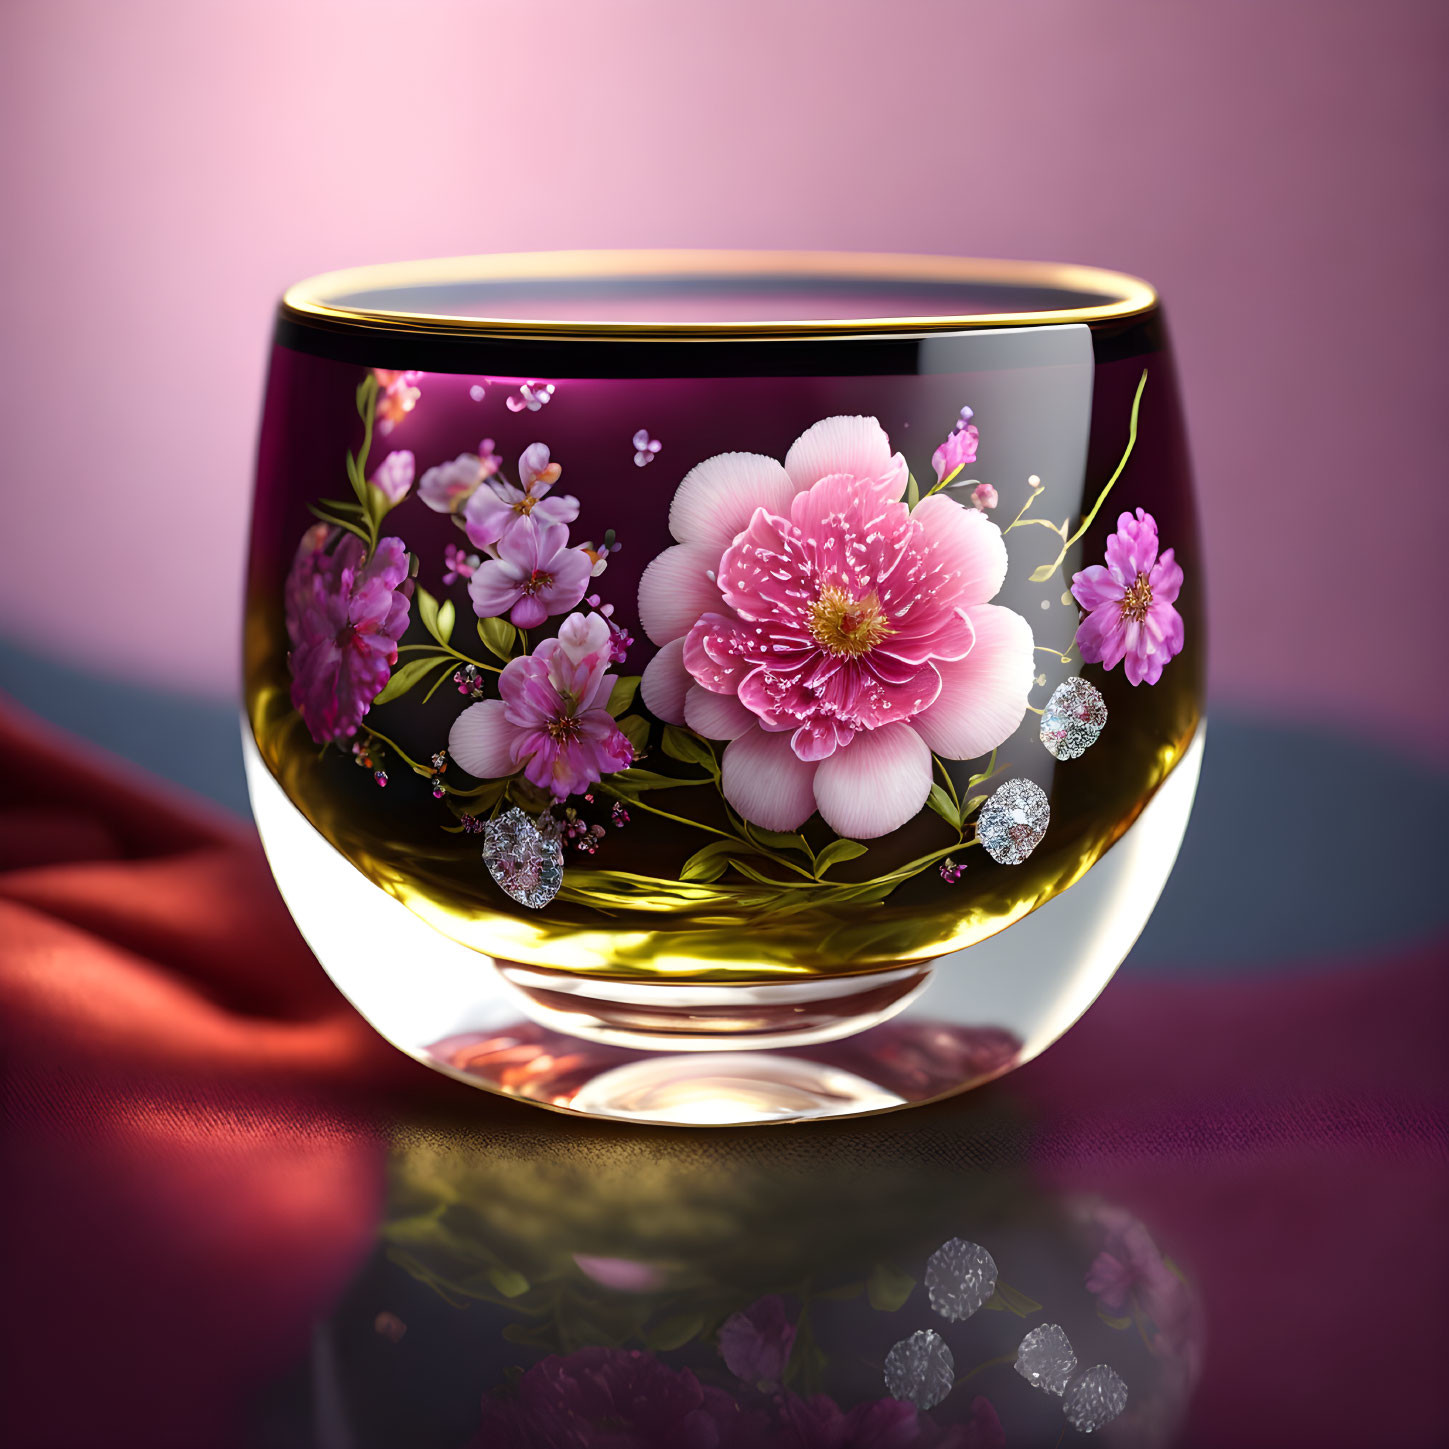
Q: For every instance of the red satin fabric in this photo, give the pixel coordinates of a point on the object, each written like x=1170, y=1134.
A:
x=195, y=1125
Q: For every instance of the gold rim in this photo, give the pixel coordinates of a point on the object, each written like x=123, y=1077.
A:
x=1113, y=295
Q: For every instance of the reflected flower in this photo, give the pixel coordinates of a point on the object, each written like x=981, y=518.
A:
x=345, y=615
x=756, y=1342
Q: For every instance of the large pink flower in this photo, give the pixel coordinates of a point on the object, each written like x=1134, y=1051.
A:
x=833, y=636
x=551, y=722
x=535, y=575
x=494, y=513
x=1130, y=603
x=344, y=618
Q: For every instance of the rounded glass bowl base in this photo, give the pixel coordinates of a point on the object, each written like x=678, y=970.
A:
x=718, y=1054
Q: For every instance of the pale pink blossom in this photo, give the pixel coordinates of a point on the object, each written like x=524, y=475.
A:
x=493, y=513
x=833, y=636
x=551, y=721
x=344, y=616
x=983, y=496
x=1129, y=603
x=448, y=486
x=536, y=574
x=394, y=475
x=398, y=396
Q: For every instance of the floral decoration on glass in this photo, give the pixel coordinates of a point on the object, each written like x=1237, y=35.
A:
x=829, y=644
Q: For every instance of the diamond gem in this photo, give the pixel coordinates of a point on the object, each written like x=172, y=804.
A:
x=920, y=1369
x=1013, y=821
x=1073, y=718
x=1046, y=1359
x=960, y=1277
x=1094, y=1398
x=526, y=866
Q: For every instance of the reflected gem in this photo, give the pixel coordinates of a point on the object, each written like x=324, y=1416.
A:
x=1046, y=1359
x=1094, y=1398
x=1073, y=718
x=960, y=1277
x=920, y=1369
x=1013, y=821
x=526, y=866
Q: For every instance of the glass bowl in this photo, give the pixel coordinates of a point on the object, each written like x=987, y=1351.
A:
x=722, y=687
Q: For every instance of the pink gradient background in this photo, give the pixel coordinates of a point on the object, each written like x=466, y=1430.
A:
x=1277, y=169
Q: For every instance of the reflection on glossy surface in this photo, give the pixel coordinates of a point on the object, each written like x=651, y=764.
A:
x=574, y=1285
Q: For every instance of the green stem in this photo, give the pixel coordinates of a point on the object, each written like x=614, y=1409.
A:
x=982, y=1367
x=741, y=840
x=401, y=753
x=434, y=645
x=1116, y=474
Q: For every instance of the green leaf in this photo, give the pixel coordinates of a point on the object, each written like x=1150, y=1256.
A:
x=408, y=675
x=378, y=506
x=1042, y=574
x=1012, y=1301
x=498, y=636
x=782, y=840
x=680, y=744
x=986, y=774
x=447, y=614
x=428, y=612
x=635, y=781
x=836, y=852
x=708, y=864
x=913, y=491
x=888, y=1288
x=972, y=804
x=674, y=1332
x=635, y=729
x=1117, y=1323
x=944, y=806
x=626, y=686
x=509, y=1282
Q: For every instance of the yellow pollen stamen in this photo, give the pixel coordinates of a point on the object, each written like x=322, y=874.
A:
x=525, y=504
x=843, y=625
x=1137, y=600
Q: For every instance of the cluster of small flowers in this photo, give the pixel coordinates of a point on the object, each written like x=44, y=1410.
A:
x=951, y=871
x=469, y=680
x=619, y=815
x=459, y=565
x=531, y=395
x=367, y=753
x=440, y=767
x=568, y=827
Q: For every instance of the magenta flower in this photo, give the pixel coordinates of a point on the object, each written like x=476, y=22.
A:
x=457, y=564
x=395, y=475
x=344, y=618
x=958, y=451
x=1130, y=1274
x=1130, y=614
x=551, y=721
x=820, y=1423
x=833, y=636
x=494, y=513
x=614, y=1398
x=535, y=575
x=756, y=1342
x=983, y=496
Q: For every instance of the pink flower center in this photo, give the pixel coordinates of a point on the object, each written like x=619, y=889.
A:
x=1137, y=600
x=525, y=504
x=536, y=582
x=841, y=624
x=563, y=730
